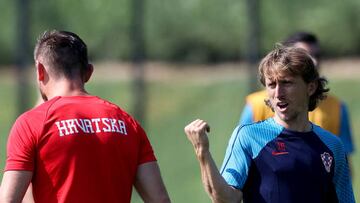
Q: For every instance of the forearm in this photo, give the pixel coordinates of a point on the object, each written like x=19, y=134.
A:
x=28, y=198
x=14, y=185
x=214, y=183
x=149, y=184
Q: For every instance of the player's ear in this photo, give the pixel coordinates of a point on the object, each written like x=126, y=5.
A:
x=88, y=73
x=312, y=86
x=40, y=70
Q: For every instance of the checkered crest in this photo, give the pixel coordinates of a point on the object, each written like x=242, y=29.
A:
x=327, y=161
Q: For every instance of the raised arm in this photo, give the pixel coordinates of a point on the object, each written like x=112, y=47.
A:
x=14, y=185
x=149, y=184
x=215, y=185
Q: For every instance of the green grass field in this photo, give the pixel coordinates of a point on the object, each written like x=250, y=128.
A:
x=174, y=103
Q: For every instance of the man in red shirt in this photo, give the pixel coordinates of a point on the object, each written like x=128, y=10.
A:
x=76, y=147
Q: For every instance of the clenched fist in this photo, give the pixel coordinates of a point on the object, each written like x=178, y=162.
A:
x=196, y=133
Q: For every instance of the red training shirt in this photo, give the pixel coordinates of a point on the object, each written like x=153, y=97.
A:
x=80, y=149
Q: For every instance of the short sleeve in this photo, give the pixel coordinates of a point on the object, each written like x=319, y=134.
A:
x=342, y=178
x=146, y=151
x=236, y=164
x=21, y=146
x=345, y=130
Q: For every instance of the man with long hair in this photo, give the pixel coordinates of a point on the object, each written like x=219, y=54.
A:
x=285, y=158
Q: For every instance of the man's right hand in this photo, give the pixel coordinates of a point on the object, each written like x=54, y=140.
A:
x=196, y=133
x=214, y=184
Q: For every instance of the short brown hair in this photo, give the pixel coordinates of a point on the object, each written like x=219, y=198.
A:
x=64, y=51
x=296, y=62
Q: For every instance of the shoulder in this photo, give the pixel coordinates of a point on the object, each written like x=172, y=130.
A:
x=331, y=100
x=322, y=133
x=29, y=125
x=123, y=114
x=109, y=104
x=258, y=96
x=264, y=126
x=263, y=131
x=121, y=111
x=330, y=105
x=330, y=140
x=36, y=114
x=252, y=138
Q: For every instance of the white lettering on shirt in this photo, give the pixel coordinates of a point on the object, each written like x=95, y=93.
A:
x=114, y=127
x=71, y=126
x=122, y=127
x=106, y=123
x=90, y=126
x=62, y=128
x=96, y=121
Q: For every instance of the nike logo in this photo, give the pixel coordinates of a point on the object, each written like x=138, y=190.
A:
x=279, y=153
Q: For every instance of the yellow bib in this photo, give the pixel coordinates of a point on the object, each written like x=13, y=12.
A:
x=327, y=114
x=259, y=109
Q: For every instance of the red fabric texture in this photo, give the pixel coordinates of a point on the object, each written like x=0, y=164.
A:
x=80, y=149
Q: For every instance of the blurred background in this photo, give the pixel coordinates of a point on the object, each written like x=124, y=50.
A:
x=168, y=62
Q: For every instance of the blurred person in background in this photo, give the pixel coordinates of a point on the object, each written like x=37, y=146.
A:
x=285, y=158
x=331, y=113
x=76, y=147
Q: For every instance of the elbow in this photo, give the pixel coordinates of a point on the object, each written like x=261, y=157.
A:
x=216, y=197
x=163, y=199
x=219, y=197
x=8, y=200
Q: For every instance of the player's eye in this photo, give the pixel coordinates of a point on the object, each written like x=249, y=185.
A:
x=271, y=84
x=287, y=82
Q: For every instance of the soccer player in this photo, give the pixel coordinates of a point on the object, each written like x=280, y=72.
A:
x=331, y=113
x=76, y=147
x=285, y=158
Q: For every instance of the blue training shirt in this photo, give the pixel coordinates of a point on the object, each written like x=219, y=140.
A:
x=271, y=164
x=345, y=136
x=345, y=129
